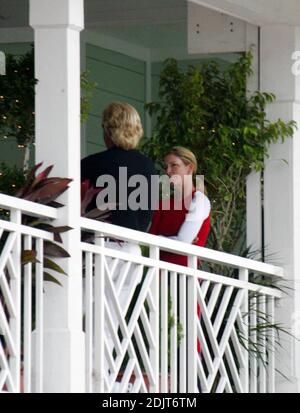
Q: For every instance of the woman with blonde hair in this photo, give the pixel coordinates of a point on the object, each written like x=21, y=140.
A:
x=187, y=217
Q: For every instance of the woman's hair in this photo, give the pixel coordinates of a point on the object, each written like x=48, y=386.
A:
x=188, y=158
x=122, y=125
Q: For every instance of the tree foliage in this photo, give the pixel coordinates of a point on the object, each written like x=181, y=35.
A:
x=17, y=101
x=209, y=111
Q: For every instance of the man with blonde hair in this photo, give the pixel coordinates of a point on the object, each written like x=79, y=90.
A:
x=119, y=163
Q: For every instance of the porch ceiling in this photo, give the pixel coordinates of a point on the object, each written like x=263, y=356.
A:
x=147, y=23
x=15, y=13
x=103, y=13
x=258, y=12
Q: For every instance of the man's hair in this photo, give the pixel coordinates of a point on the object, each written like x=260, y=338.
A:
x=122, y=125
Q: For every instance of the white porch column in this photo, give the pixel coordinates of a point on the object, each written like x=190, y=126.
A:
x=57, y=25
x=282, y=189
x=253, y=200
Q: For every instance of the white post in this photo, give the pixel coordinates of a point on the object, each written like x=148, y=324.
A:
x=254, y=211
x=154, y=321
x=57, y=25
x=192, y=328
x=282, y=189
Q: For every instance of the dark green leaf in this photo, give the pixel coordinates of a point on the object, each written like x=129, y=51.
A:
x=54, y=250
x=50, y=278
x=53, y=266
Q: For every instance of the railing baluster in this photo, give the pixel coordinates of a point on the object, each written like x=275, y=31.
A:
x=164, y=331
x=244, y=373
x=183, y=345
x=262, y=344
x=253, y=345
x=15, y=286
x=100, y=367
x=88, y=312
x=192, y=327
x=214, y=297
x=173, y=333
x=154, y=320
x=39, y=315
x=271, y=346
x=222, y=309
x=27, y=334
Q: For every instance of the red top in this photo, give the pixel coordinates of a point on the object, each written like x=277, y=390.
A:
x=168, y=223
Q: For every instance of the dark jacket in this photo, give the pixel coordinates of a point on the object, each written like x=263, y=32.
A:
x=108, y=163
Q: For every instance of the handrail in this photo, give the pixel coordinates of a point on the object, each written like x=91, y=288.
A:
x=35, y=209
x=28, y=207
x=26, y=230
x=163, y=265
x=179, y=247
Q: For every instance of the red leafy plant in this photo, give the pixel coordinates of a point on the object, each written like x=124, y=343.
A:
x=87, y=194
x=45, y=190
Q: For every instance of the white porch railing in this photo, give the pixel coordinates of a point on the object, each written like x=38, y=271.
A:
x=21, y=296
x=140, y=314
x=136, y=340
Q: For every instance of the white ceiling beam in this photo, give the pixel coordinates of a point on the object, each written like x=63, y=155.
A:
x=210, y=31
x=257, y=12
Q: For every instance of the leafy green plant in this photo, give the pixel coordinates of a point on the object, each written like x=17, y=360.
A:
x=11, y=179
x=17, y=101
x=17, y=106
x=87, y=87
